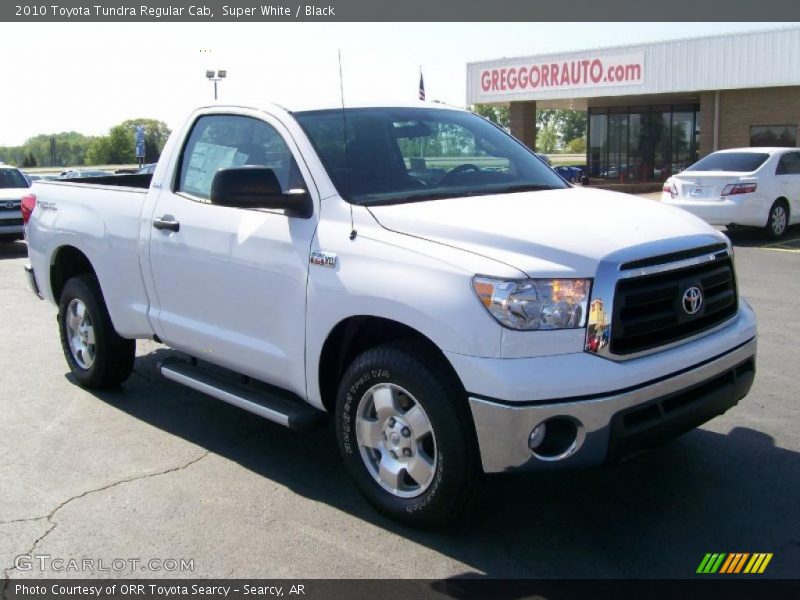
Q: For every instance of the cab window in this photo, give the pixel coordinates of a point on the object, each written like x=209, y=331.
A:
x=222, y=141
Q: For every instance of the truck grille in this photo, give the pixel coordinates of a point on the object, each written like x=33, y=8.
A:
x=649, y=310
x=10, y=222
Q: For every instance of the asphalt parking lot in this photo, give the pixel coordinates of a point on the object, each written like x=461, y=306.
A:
x=155, y=471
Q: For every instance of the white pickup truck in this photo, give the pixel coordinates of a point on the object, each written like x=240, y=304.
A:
x=415, y=272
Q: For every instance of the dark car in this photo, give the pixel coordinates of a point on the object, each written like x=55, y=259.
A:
x=570, y=174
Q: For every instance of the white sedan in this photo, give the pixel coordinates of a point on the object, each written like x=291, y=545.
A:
x=756, y=187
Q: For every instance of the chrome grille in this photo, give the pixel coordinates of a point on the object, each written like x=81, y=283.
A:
x=9, y=206
x=648, y=310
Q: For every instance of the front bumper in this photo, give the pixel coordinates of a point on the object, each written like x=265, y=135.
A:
x=10, y=227
x=616, y=424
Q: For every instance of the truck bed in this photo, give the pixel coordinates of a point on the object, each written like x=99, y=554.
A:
x=101, y=217
x=129, y=180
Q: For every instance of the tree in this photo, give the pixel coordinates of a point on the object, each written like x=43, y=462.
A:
x=501, y=115
x=547, y=139
x=119, y=146
x=155, y=136
x=29, y=160
x=98, y=152
x=116, y=148
x=567, y=125
x=573, y=125
x=576, y=146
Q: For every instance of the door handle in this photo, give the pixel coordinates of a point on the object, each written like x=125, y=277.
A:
x=166, y=222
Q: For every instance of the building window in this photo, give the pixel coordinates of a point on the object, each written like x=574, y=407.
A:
x=774, y=135
x=598, y=144
x=629, y=144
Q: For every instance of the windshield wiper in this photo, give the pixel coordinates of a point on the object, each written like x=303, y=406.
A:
x=422, y=198
x=523, y=187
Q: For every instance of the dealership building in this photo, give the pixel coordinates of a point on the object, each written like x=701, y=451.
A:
x=653, y=109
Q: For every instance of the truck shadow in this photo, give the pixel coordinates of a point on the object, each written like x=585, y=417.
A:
x=750, y=237
x=654, y=516
x=13, y=250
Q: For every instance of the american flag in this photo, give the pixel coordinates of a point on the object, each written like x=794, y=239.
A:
x=421, y=86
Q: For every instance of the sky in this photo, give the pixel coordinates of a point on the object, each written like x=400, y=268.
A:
x=87, y=77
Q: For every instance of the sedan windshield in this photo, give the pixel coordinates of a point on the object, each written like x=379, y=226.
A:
x=735, y=162
x=11, y=178
x=394, y=155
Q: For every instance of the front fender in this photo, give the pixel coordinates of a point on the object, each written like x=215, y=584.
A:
x=421, y=284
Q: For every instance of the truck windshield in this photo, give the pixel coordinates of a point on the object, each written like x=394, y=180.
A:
x=11, y=178
x=394, y=155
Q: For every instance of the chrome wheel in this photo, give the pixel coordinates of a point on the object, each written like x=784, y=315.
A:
x=80, y=334
x=778, y=220
x=396, y=440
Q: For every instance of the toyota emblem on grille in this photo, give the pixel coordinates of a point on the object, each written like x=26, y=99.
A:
x=692, y=300
x=10, y=204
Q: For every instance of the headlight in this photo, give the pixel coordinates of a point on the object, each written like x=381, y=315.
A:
x=530, y=304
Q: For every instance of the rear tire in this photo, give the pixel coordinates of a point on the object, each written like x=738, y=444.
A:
x=97, y=356
x=406, y=435
x=778, y=220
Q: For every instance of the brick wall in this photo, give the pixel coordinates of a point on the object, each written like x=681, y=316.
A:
x=523, y=122
x=706, y=123
x=739, y=109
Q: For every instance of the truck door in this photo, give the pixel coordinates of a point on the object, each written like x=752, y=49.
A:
x=230, y=282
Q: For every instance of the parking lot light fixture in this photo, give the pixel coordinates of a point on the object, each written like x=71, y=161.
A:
x=216, y=76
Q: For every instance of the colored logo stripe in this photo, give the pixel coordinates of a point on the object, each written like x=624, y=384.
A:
x=711, y=563
x=758, y=563
x=724, y=563
x=734, y=563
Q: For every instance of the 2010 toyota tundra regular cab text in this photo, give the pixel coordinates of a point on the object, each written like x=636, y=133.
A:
x=416, y=272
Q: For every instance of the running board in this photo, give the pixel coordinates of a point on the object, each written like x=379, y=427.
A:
x=294, y=414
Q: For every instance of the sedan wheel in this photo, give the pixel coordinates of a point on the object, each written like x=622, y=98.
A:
x=778, y=220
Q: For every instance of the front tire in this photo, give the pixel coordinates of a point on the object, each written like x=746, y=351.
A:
x=406, y=436
x=97, y=356
x=778, y=220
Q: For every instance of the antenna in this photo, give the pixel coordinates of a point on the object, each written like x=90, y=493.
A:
x=353, y=232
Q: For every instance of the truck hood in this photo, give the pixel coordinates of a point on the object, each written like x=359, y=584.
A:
x=556, y=232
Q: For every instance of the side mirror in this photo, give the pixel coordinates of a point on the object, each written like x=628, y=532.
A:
x=257, y=187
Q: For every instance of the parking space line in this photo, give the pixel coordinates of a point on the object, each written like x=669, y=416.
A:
x=792, y=250
x=781, y=243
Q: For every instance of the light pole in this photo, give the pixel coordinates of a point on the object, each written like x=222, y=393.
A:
x=216, y=76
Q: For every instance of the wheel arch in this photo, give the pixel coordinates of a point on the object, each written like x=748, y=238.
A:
x=68, y=262
x=358, y=333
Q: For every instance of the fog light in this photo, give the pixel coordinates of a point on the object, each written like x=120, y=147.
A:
x=537, y=436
